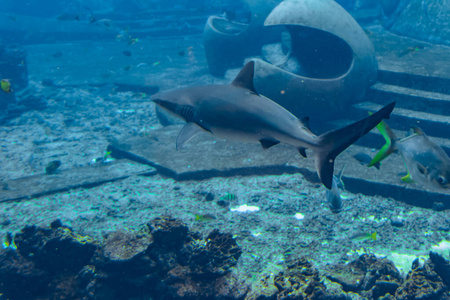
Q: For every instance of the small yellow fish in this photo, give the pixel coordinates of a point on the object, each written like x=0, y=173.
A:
x=6, y=86
x=156, y=63
x=359, y=237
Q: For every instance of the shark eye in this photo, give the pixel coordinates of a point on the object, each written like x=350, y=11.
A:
x=441, y=180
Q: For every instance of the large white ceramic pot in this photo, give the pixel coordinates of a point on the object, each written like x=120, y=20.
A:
x=325, y=61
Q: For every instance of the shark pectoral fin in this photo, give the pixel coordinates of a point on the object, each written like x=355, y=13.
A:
x=302, y=152
x=187, y=133
x=407, y=178
x=245, y=77
x=267, y=143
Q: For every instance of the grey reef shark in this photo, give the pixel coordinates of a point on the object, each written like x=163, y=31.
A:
x=237, y=112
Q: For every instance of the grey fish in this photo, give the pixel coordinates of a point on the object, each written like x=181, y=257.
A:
x=427, y=162
x=334, y=196
x=236, y=111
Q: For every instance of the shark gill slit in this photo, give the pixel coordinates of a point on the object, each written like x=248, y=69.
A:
x=187, y=112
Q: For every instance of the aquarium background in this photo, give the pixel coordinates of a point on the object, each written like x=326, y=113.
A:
x=96, y=203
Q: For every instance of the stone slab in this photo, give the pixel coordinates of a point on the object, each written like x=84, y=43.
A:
x=206, y=156
x=63, y=180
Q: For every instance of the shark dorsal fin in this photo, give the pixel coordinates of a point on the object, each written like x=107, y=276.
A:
x=245, y=77
x=305, y=122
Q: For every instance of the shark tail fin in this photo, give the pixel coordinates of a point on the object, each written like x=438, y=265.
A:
x=332, y=143
x=388, y=148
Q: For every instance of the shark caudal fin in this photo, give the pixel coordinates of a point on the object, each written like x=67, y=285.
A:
x=331, y=143
x=389, y=146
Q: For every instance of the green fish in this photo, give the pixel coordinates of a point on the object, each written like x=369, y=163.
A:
x=359, y=237
x=6, y=86
x=426, y=162
x=228, y=197
x=205, y=217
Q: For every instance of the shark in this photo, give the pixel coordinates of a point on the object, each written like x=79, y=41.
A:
x=236, y=111
x=427, y=163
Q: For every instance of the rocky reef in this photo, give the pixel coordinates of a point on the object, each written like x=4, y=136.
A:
x=165, y=260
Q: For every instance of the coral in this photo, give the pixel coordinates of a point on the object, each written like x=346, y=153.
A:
x=162, y=260
x=441, y=266
x=422, y=282
x=369, y=276
x=300, y=280
x=19, y=277
x=168, y=232
x=165, y=260
x=57, y=249
x=214, y=256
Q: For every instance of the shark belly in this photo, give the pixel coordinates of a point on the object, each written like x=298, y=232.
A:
x=251, y=118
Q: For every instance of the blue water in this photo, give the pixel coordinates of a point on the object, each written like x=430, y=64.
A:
x=96, y=202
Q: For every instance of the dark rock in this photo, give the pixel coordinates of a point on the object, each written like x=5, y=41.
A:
x=125, y=251
x=223, y=203
x=168, y=232
x=209, y=197
x=369, y=276
x=122, y=266
x=55, y=249
x=423, y=283
x=441, y=266
x=19, y=277
x=162, y=260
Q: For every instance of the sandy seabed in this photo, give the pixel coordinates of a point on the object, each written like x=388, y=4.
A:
x=77, y=126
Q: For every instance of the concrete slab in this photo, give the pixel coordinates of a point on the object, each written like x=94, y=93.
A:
x=63, y=180
x=206, y=156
